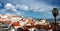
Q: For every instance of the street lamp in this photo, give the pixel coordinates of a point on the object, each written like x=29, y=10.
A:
x=55, y=13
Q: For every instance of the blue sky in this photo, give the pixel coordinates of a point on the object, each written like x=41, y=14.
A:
x=30, y=8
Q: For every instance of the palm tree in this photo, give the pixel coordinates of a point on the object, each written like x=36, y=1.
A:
x=55, y=13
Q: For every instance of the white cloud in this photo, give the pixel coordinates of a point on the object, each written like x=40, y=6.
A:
x=41, y=7
x=35, y=7
x=9, y=6
x=22, y=7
